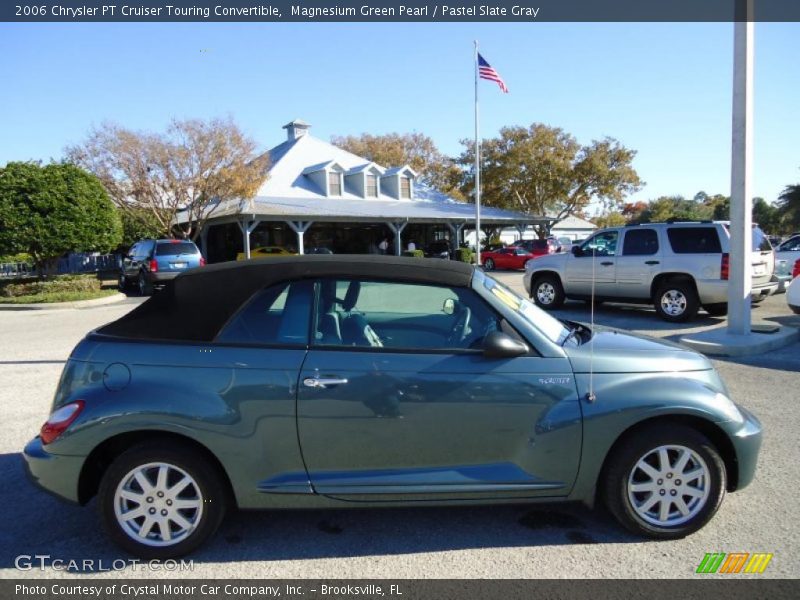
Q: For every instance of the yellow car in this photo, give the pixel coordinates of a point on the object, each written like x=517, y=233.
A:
x=265, y=252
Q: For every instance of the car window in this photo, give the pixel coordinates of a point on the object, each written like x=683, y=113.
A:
x=173, y=248
x=694, y=240
x=640, y=242
x=520, y=251
x=602, y=244
x=400, y=316
x=134, y=251
x=276, y=315
x=792, y=245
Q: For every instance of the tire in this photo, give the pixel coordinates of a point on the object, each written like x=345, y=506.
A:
x=205, y=497
x=122, y=283
x=630, y=506
x=758, y=299
x=795, y=309
x=488, y=265
x=547, y=292
x=676, y=301
x=144, y=285
x=717, y=310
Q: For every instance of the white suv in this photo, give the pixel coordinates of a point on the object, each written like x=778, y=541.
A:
x=676, y=266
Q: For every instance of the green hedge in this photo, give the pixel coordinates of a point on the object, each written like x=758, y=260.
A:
x=414, y=253
x=464, y=255
x=59, y=284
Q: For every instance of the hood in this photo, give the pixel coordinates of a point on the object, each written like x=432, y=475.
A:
x=548, y=260
x=616, y=351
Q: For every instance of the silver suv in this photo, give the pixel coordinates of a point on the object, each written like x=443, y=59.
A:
x=679, y=267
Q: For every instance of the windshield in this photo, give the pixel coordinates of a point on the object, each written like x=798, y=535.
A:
x=554, y=329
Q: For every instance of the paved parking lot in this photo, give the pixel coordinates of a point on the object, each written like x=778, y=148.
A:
x=506, y=542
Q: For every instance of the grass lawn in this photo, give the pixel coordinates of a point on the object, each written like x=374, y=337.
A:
x=58, y=297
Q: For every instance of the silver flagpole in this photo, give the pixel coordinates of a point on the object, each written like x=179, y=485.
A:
x=477, y=169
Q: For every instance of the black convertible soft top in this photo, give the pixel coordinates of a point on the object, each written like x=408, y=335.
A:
x=197, y=304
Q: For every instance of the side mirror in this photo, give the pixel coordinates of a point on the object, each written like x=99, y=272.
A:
x=449, y=306
x=576, y=250
x=497, y=344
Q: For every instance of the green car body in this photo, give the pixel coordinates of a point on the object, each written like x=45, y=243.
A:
x=406, y=427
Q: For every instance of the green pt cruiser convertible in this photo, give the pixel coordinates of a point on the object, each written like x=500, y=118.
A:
x=335, y=381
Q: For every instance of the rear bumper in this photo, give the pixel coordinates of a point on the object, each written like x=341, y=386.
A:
x=163, y=276
x=716, y=292
x=56, y=474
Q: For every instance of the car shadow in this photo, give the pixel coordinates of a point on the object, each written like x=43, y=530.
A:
x=36, y=523
x=630, y=316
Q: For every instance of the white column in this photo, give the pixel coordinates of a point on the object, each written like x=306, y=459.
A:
x=456, y=231
x=247, y=229
x=397, y=230
x=300, y=228
x=740, y=283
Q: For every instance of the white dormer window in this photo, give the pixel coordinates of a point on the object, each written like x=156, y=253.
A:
x=372, y=186
x=334, y=184
x=405, y=187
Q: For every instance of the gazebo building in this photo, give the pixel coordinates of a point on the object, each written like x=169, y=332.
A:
x=319, y=197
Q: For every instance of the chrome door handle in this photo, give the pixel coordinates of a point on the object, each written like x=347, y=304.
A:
x=607, y=263
x=651, y=262
x=322, y=382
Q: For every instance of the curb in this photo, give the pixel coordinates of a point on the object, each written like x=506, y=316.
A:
x=717, y=342
x=118, y=297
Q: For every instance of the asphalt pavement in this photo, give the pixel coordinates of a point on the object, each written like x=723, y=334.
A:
x=540, y=541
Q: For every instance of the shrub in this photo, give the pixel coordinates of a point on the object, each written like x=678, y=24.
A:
x=60, y=284
x=414, y=253
x=464, y=255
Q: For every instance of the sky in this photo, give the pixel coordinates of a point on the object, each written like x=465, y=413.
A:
x=662, y=89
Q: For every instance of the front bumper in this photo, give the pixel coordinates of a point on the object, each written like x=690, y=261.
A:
x=54, y=473
x=746, y=440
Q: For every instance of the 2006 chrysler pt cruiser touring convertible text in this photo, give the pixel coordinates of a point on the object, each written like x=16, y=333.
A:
x=332, y=381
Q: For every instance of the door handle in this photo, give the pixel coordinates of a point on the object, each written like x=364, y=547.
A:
x=606, y=263
x=651, y=262
x=322, y=382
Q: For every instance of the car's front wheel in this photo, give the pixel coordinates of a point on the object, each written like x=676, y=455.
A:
x=161, y=500
x=664, y=481
x=547, y=292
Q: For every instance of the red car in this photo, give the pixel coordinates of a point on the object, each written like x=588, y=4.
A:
x=540, y=247
x=511, y=257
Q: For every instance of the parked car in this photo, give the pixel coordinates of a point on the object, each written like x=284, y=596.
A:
x=564, y=244
x=318, y=250
x=679, y=267
x=540, y=247
x=511, y=257
x=438, y=249
x=151, y=263
x=793, y=289
x=340, y=381
x=265, y=252
x=789, y=250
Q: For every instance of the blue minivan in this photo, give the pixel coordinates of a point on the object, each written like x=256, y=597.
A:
x=151, y=263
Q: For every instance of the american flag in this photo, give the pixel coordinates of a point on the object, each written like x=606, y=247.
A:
x=486, y=71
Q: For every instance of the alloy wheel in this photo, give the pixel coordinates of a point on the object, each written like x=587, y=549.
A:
x=545, y=292
x=673, y=302
x=669, y=485
x=158, y=504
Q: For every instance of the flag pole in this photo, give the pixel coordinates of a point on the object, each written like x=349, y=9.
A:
x=477, y=169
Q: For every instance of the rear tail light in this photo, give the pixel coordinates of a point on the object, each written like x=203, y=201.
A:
x=724, y=266
x=154, y=266
x=202, y=262
x=60, y=420
x=796, y=269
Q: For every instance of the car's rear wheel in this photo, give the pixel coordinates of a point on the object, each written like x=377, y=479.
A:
x=122, y=283
x=488, y=265
x=717, y=310
x=664, y=481
x=676, y=301
x=145, y=287
x=161, y=500
x=547, y=292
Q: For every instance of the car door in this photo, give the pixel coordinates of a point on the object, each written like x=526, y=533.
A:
x=639, y=262
x=594, y=261
x=397, y=401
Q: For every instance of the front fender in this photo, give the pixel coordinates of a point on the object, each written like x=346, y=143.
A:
x=622, y=401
